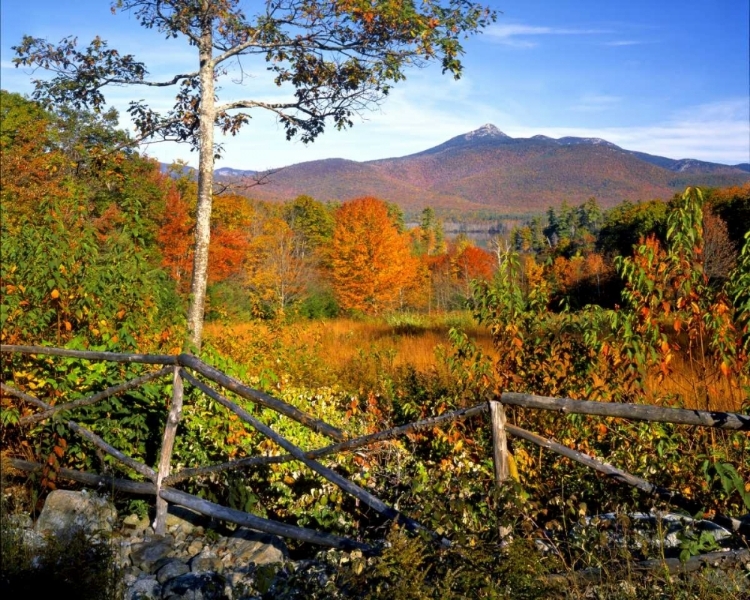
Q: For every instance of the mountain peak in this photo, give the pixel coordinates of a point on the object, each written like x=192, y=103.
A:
x=488, y=130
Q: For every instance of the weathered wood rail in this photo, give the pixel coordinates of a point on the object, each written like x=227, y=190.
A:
x=185, y=368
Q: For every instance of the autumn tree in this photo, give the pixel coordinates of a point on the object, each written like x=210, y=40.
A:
x=31, y=167
x=732, y=205
x=174, y=239
x=471, y=263
x=279, y=267
x=334, y=58
x=77, y=234
x=370, y=261
x=228, y=228
x=313, y=221
x=719, y=254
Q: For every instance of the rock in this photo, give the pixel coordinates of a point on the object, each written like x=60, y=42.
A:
x=196, y=586
x=134, y=523
x=65, y=513
x=656, y=529
x=248, y=546
x=145, y=554
x=206, y=561
x=170, y=569
x=144, y=588
x=265, y=577
x=195, y=547
x=183, y=520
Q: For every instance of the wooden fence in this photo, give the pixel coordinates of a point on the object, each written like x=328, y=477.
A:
x=186, y=368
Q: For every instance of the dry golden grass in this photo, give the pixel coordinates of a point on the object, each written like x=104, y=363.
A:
x=346, y=349
x=696, y=387
x=339, y=342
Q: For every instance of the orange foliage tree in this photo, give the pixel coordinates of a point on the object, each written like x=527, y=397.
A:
x=175, y=241
x=473, y=263
x=370, y=261
x=31, y=168
x=451, y=273
x=229, y=244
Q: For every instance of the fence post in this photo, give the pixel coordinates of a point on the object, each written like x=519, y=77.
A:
x=499, y=442
x=167, y=445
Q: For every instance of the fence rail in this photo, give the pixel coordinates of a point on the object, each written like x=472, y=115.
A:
x=185, y=368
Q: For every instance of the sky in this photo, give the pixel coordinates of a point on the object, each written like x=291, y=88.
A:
x=667, y=77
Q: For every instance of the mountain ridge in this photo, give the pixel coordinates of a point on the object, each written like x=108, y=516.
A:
x=486, y=169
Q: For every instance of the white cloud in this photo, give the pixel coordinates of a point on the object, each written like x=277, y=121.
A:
x=618, y=43
x=715, y=132
x=509, y=33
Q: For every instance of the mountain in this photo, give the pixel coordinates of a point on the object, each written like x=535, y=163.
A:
x=488, y=170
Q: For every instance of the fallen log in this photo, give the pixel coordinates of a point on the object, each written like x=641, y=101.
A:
x=102, y=482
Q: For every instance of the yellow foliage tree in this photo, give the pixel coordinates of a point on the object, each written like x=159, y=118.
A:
x=278, y=270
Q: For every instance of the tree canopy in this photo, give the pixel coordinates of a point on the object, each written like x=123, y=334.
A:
x=371, y=264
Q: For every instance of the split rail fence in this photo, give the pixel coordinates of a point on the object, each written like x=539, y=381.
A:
x=185, y=368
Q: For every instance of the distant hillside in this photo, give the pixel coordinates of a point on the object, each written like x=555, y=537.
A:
x=486, y=169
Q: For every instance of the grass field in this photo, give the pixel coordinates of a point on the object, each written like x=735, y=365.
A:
x=338, y=350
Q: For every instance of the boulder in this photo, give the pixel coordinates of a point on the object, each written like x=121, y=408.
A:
x=196, y=586
x=183, y=520
x=248, y=546
x=170, y=569
x=144, y=588
x=145, y=555
x=65, y=513
x=206, y=561
x=134, y=523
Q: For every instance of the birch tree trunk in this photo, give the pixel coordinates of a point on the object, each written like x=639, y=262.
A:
x=207, y=116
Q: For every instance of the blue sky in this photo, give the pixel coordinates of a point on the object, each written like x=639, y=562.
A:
x=669, y=77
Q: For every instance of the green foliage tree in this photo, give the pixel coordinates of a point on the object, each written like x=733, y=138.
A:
x=627, y=223
x=311, y=220
x=335, y=58
x=76, y=209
